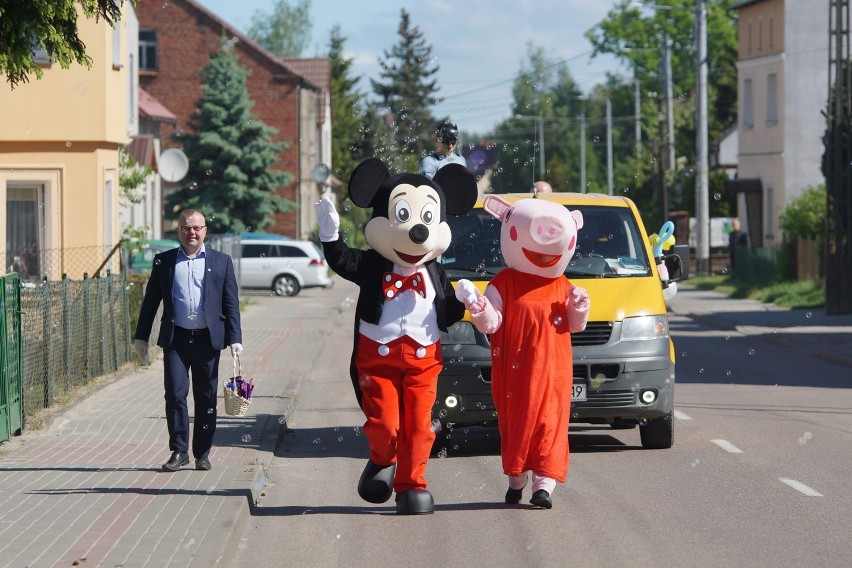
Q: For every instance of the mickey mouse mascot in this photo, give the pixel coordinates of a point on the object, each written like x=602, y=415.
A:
x=406, y=300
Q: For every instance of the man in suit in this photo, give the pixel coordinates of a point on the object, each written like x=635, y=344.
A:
x=201, y=315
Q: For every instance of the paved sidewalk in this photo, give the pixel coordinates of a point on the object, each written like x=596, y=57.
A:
x=88, y=489
x=810, y=330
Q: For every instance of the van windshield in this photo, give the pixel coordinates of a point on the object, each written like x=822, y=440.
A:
x=608, y=246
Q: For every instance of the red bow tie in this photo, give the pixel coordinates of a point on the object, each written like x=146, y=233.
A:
x=394, y=284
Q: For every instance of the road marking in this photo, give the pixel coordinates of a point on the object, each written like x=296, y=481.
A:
x=799, y=486
x=727, y=446
x=681, y=416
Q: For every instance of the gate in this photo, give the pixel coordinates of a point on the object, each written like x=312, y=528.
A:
x=11, y=358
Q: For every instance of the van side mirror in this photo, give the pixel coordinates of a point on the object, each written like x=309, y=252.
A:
x=677, y=263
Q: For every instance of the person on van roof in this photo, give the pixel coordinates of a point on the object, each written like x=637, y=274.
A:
x=446, y=139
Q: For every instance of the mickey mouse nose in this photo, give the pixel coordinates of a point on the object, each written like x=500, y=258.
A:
x=418, y=233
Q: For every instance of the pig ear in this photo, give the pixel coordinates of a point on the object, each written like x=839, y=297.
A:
x=497, y=206
x=578, y=218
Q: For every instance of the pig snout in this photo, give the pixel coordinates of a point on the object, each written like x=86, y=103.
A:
x=546, y=229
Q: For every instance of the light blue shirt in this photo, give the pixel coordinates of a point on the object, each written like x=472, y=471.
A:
x=188, y=289
x=430, y=165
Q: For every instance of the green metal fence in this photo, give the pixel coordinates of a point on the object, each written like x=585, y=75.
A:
x=11, y=358
x=758, y=264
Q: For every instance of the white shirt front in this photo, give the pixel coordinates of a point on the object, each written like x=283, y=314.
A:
x=408, y=313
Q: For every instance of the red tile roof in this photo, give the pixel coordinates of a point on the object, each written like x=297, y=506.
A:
x=149, y=107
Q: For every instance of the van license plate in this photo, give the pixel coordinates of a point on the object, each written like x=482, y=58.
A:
x=578, y=392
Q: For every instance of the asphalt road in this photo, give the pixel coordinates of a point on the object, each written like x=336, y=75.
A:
x=759, y=474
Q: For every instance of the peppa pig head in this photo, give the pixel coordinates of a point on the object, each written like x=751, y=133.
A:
x=537, y=237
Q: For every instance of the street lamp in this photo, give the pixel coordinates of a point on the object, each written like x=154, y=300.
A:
x=539, y=125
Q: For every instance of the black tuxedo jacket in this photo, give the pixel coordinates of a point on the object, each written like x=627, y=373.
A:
x=366, y=269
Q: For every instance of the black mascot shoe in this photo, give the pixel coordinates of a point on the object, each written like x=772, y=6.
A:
x=414, y=502
x=541, y=498
x=513, y=496
x=376, y=483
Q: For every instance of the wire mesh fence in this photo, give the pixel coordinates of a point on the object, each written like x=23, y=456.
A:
x=34, y=265
x=72, y=332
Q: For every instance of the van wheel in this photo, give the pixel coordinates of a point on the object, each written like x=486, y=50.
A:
x=658, y=433
x=286, y=286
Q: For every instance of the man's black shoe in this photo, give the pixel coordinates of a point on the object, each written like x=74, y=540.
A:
x=203, y=464
x=178, y=460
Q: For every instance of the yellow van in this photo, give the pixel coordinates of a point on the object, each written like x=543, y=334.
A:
x=624, y=361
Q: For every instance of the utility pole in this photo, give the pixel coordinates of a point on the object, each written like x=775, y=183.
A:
x=541, y=145
x=583, y=152
x=609, y=183
x=702, y=191
x=638, y=112
x=667, y=77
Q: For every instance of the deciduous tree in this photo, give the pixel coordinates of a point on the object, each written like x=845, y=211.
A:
x=50, y=25
x=285, y=31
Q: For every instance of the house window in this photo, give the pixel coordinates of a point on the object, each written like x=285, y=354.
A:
x=771, y=31
x=771, y=99
x=748, y=108
x=24, y=229
x=116, y=46
x=40, y=55
x=147, y=50
x=108, y=214
x=749, y=37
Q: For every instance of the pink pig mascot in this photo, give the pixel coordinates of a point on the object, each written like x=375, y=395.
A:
x=530, y=310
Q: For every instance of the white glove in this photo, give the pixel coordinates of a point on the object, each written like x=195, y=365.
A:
x=328, y=219
x=663, y=270
x=466, y=292
x=236, y=349
x=141, y=348
x=578, y=305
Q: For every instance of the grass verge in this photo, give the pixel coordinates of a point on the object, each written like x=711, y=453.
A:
x=808, y=294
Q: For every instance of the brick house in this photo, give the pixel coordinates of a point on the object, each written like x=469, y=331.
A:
x=175, y=43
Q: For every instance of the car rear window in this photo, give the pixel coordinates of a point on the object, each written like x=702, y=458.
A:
x=257, y=251
x=609, y=245
x=289, y=251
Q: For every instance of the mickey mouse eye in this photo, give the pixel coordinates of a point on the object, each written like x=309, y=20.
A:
x=402, y=211
x=427, y=215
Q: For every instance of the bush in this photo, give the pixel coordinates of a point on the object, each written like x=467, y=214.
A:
x=804, y=217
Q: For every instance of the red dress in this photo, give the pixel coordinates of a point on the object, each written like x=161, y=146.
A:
x=532, y=374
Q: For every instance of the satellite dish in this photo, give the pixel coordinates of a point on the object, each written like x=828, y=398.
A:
x=173, y=164
x=320, y=173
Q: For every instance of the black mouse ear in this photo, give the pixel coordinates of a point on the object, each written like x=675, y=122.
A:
x=365, y=181
x=459, y=187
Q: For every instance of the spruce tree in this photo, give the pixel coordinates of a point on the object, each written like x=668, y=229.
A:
x=348, y=146
x=231, y=154
x=407, y=89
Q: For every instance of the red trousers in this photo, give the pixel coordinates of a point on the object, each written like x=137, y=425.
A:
x=398, y=390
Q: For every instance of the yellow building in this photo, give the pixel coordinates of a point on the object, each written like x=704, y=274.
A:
x=59, y=156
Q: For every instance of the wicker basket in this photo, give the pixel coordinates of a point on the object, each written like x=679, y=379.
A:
x=235, y=405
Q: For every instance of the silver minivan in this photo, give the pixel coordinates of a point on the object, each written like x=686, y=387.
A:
x=282, y=265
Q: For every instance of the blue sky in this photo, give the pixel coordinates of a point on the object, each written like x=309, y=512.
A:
x=479, y=45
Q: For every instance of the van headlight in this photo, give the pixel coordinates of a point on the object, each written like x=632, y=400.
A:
x=460, y=333
x=645, y=327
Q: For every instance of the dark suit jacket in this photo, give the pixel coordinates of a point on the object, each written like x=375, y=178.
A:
x=221, y=300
